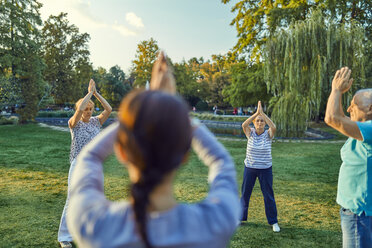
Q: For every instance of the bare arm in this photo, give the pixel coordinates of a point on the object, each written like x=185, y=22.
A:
x=161, y=76
x=107, y=108
x=335, y=116
x=80, y=109
x=270, y=123
x=247, y=122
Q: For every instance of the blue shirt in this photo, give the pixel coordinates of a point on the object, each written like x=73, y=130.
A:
x=258, y=153
x=355, y=179
x=94, y=221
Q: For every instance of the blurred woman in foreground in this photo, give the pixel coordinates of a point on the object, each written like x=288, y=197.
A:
x=153, y=138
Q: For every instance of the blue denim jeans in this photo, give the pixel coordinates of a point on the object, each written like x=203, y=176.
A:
x=265, y=177
x=356, y=230
x=63, y=233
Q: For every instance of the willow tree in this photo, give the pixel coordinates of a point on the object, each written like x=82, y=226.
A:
x=299, y=66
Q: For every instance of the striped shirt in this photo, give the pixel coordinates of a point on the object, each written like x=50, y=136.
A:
x=258, y=153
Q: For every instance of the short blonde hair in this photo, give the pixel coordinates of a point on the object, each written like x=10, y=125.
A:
x=80, y=100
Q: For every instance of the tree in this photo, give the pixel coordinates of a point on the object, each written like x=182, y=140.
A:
x=188, y=85
x=258, y=20
x=146, y=54
x=299, y=66
x=247, y=85
x=112, y=85
x=66, y=55
x=20, y=63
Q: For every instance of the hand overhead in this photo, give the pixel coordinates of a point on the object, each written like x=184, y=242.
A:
x=341, y=80
x=161, y=76
x=259, y=108
x=92, y=86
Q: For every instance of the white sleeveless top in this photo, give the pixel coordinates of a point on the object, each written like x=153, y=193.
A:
x=258, y=154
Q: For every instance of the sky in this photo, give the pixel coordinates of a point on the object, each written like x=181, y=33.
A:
x=182, y=28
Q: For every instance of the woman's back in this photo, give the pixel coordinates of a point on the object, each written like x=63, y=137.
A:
x=97, y=222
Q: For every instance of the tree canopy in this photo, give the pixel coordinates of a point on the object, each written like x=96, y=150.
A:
x=146, y=53
x=257, y=20
x=21, y=66
x=66, y=55
x=300, y=63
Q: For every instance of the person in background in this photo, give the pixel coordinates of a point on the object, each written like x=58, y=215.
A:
x=83, y=127
x=152, y=139
x=258, y=164
x=354, y=191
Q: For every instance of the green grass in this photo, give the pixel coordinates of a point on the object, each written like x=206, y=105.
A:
x=34, y=167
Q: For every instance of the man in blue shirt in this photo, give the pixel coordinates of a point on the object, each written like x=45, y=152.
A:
x=354, y=193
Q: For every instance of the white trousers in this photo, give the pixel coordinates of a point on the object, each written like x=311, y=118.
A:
x=63, y=233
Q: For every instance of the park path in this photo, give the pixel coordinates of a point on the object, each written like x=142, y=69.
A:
x=66, y=129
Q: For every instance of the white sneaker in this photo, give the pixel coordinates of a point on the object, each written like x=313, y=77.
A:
x=65, y=244
x=276, y=227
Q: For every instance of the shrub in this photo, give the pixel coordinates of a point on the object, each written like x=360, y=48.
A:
x=67, y=114
x=12, y=120
x=201, y=105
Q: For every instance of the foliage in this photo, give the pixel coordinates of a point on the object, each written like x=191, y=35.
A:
x=65, y=114
x=257, y=20
x=247, y=85
x=300, y=63
x=20, y=63
x=10, y=94
x=12, y=120
x=188, y=85
x=115, y=87
x=213, y=117
x=55, y=114
x=33, y=190
x=146, y=54
x=66, y=55
x=201, y=106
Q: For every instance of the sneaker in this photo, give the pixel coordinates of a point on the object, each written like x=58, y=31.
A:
x=65, y=244
x=276, y=227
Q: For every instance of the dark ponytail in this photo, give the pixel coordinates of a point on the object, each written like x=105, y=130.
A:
x=140, y=192
x=155, y=133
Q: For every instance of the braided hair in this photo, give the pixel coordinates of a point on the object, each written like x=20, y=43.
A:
x=155, y=133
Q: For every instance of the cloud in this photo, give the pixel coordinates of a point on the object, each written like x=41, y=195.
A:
x=83, y=8
x=134, y=20
x=80, y=13
x=123, y=30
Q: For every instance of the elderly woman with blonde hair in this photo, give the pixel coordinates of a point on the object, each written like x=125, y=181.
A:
x=83, y=127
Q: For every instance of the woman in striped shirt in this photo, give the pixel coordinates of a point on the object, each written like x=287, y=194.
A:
x=258, y=164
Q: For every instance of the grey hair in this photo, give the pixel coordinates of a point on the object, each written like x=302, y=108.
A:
x=366, y=99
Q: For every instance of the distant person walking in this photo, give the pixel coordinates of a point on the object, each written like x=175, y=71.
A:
x=354, y=191
x=215, y=109
x=83, y=128
x=258, y=164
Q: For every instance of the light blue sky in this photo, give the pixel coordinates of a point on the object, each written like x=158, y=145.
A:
x=183, y=28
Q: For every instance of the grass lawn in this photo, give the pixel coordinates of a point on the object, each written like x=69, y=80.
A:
x=34, y=167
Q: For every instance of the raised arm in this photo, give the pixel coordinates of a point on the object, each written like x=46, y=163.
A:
x=162, y=76
x=223, y=192
x=87, y=199
x=107, y=108
x=335, y=116
x=80, y=109
x=250, y=119
x=269, y=122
